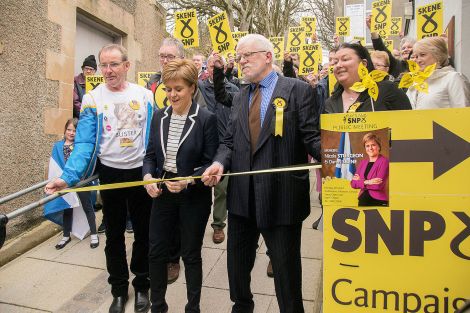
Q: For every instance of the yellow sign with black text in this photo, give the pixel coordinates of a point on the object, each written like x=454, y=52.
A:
x=221, y=35
x=295, y=39
x=343, y=26
x=278, y=45
x=381, y=20
x=361, y=40
x=331, y=80
x=186, y=28
x=92, y=81
x=143, y=78
x=238, y=35
x=429, y=20
x=395, y=28
x=396, y=211
x=309, y=59
x=310, y=25
x=388, y=44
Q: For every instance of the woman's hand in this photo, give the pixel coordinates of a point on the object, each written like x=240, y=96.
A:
x=176, y=186
x=373, y=181
x=152, y=189
x=287, y=56
x=55, y=185
x=356, y=177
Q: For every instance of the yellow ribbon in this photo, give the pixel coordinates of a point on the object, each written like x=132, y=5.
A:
x=416, y=78
x=279, y=105
x=147, y=182
x=369, y=81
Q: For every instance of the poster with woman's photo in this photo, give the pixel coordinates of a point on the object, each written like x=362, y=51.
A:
x=355, y=169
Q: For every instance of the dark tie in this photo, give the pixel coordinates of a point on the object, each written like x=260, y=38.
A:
x=254, y=117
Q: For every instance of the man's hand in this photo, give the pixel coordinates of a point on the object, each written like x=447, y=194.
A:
x=152, y=189
x=176, y=186
x=368, y=21
x=55, y=185
x=218, y=63
x=287, y=56
x=208, y=177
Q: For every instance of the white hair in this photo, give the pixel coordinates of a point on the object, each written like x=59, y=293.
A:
x=259, y=41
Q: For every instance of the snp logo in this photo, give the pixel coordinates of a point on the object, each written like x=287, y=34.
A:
x=354, y=119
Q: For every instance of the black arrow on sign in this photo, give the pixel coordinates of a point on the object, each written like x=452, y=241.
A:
x=445, y=150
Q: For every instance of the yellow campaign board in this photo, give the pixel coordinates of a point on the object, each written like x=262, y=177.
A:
x=92, y=81
x=221, y=35
x=310, y=25
x=395, y=28
x=429, y=20
x=309, y=59
x=238, y=35
x=186, y=28
x=143, y=78
x=160, y=97
x=331, y=80
x=413, y=253
x=295, y=39
x=388, y=44
x=361, y=40
x=343, y=26
x=381, y=20
x=278, y=44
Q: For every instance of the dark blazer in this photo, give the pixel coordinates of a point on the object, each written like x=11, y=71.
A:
x=282, y=198
x=198, y=143
x=390, y=98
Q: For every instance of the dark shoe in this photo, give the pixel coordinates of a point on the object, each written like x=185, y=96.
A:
x=142, y=302
x=98, y=207
x=173, y=272
x=269, y=270
x=118, y=305
x=63, y=243
x=218, y=236
x=129, y=228
x=94, y=244
x=101, y=228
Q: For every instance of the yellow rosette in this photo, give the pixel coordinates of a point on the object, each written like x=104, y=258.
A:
x=416, y=78
x=369, y=81
x=279, y=105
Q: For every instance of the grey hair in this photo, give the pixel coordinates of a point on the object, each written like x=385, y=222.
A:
x=409, y=40
x=171, y=41
x=114, y=46
x=257, y=40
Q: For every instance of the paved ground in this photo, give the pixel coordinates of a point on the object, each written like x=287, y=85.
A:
x=74, y=279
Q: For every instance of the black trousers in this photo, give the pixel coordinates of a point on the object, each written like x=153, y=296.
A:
x=283, y=243
x=115, y=205
x=189, y=210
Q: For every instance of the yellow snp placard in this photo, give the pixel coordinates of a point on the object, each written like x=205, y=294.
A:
x=221, y=35
x=361, y=40
x=278, y=45
x=92, y=81
x=309, y=59
x=161, y=101
x=395, y=27
x=343, y=26
x=186, y=28
x=295, y=39
x=310, y=24
x=238, y=35
x=381, y=20
x=143, y=78
x=388, y=44
x=411, y=254
x=429, y=20
x=331, y=80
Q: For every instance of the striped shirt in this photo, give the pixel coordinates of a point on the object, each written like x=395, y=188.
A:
x=174, y=136
x=266, y=88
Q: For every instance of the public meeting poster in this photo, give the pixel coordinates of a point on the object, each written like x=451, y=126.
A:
x=410, y=251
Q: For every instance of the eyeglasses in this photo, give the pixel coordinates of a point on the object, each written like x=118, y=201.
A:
x=380, y=65
x=246, y=55
x=113, y=65
x=169, y=57
x=89, y=69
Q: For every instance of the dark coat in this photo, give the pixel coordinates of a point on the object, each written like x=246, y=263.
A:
x=198, y=143
x=283, y=198
x=390, y=98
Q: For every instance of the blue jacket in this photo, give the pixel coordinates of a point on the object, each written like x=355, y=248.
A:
x=82, y=161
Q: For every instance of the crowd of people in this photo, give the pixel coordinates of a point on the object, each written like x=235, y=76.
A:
x=192, y=120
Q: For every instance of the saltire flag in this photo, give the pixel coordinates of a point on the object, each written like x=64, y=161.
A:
x=54, y=209
x=345, y=167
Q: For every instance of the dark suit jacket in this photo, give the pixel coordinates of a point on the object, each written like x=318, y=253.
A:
x=390, y=98
x=198, y=143
x=283, y=198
